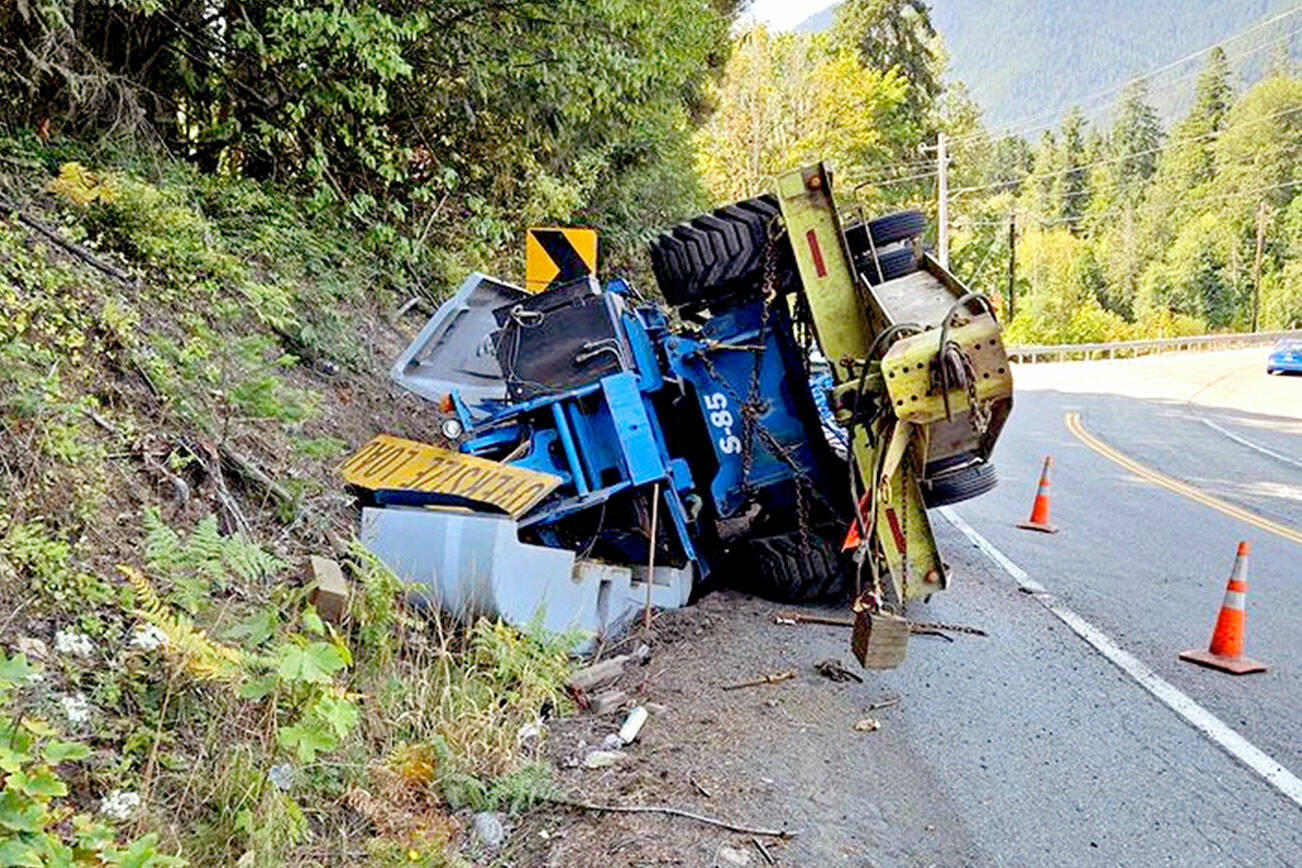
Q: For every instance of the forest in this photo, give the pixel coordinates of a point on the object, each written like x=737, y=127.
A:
x=219, y=224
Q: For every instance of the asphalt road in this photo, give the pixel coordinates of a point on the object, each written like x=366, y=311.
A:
x=1029, y=747
x=1048, y=752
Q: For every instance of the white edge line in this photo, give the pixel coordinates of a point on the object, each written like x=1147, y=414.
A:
x=1200, y=718
x=1243, y=441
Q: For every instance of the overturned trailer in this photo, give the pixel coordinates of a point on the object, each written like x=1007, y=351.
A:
x=812, y=387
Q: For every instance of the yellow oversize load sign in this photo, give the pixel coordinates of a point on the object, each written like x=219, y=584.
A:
x=392, y=463
x=558, y=255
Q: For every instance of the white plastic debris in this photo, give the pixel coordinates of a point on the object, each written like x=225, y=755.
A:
x=281, y=775
x=489, y=830
x=612, y=742
x=528, y=732
x=632, y=725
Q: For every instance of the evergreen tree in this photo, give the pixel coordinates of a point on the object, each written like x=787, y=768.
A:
x=1072, y=188
x=1039, y=196
x=1211, y=104
x=1136, y=135
x=897, y=34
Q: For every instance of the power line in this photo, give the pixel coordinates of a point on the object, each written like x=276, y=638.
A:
x=1055, y=221
x=1012, y=127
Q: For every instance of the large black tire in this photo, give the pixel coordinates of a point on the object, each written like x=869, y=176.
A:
x=894, y=264
x=719, y=254
x=775, y=568
x=959, y=485
x=897, y=227
x=888, y=230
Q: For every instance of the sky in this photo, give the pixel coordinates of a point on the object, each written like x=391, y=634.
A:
x=783, y=14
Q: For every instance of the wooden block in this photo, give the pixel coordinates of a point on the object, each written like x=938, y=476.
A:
x=591, y=677
x=608, y=701
x=329, y=589
x=880, y=639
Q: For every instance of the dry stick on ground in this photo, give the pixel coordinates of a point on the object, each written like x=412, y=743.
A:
x=763, y=679
x=71, y=246
x=763, y=850
x=673, y=812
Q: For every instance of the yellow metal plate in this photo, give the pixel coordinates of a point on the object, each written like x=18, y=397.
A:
x=557, y=255
x=392, y=463
x=907, y=370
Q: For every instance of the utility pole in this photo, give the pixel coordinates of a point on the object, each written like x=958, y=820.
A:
x=942, y=196
x=1012, y=265
x=1256, y=265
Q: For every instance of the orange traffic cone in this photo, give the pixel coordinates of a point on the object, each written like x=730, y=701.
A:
x=1040, y=509
x=1226, y=650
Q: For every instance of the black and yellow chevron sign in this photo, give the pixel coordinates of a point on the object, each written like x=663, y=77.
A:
x=557, y=255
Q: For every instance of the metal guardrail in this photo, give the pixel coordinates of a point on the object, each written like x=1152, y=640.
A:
x=1032, y=353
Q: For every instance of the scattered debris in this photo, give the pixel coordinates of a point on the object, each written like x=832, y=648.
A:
x=527, y=733
x=32, y=647
x=607, y=701
x=655, y=708
x=673, y=812
x=923, y=631
x=612, y=742
x=773, y=678
x=643, y=654
x=764, y=851
x=282, y=775
x=799, y=618
x=916, y=627
x=632, y=725
x=598, y=759
x=329, y=589
x=589, y=678
x=833, y=669
x=489, y=830
x=928, y=627
x=700, y=789
x=868, y=724
x=726, y=855
x=884, y=703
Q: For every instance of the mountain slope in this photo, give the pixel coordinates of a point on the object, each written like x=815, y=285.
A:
x=1023, y=57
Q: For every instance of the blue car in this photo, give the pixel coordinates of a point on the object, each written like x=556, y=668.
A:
x=1286, y=358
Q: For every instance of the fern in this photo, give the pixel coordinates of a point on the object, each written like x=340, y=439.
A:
x=203, y=561
x=188, y=648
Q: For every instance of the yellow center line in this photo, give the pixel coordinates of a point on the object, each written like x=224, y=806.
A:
x=1077, y=428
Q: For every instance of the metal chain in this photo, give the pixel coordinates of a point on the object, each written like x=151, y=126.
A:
x=949, y=628
x=752, y=406
x=981, y=410
x=904, y=532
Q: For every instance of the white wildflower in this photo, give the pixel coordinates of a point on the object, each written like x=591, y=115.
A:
x=71, y=642
x=75, y=708
x=119, y=805
x=147, y=637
